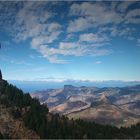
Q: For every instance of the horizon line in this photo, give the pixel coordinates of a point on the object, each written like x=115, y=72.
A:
x=65, y=80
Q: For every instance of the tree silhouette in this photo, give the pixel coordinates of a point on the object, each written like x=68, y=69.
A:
x=0, y=75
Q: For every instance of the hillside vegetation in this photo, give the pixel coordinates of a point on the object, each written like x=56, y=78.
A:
x=36, y=117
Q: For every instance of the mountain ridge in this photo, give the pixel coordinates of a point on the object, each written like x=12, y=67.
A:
x=110, y=96
x=32, y=86
x=42, y=124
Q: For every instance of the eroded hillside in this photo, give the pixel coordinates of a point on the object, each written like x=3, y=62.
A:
x=115, y=106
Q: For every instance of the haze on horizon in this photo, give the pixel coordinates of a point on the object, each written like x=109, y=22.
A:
x=95, y=40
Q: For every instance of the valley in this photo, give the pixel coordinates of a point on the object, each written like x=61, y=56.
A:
x=109, y=105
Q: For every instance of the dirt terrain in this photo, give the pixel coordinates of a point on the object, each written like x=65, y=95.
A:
x=14, y=128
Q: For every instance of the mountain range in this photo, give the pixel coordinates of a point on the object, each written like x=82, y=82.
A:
x=23, y=117
x=31, y=86
x=118, y=106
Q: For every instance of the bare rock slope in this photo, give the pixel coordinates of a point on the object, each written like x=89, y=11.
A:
x=109, y=105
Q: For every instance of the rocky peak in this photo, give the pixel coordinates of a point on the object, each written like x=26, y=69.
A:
x=104, y=99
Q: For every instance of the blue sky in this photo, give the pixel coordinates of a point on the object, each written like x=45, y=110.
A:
x=57, y=41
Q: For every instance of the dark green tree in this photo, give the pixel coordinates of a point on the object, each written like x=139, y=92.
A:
x=1, y=136
x=0, y=75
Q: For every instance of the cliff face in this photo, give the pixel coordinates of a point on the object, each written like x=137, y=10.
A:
x=14, y=128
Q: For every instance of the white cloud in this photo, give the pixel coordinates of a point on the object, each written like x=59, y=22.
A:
x=7, y=13
x=79, y=24
x=50, y=54
x=53, y=27
x=44, y=39
x=70, y=37
x=97, y=14
x=133, y=17
x=70, y=49
x=123, y=6
x=91, y=15
x=114, y=31
x=133, y=13
x=68, y=45
x=114, y=4
x=33, y=21
x=94, y=38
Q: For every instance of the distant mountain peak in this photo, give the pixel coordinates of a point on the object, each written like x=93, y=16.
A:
x=68, y=87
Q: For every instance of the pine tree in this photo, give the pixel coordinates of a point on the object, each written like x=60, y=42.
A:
x=0, y=75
